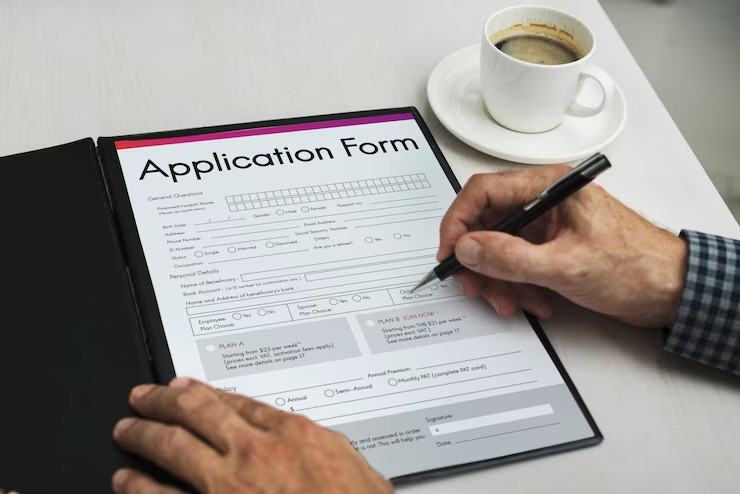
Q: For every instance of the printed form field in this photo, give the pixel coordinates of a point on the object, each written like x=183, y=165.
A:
x=307, y=292
x=380, y=217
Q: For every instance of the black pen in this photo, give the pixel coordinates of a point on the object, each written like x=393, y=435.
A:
x=553, y=195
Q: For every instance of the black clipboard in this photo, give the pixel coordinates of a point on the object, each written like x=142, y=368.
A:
x=146, y=299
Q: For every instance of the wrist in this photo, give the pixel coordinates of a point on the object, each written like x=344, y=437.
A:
x=674, y=280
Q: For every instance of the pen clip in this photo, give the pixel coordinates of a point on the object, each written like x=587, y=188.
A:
x=588, y=169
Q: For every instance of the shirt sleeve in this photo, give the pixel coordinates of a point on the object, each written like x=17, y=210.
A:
x=707, y=328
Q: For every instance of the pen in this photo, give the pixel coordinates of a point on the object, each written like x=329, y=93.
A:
x=553, y=195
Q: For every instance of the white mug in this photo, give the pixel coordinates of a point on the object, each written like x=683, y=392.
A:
x=529, y=97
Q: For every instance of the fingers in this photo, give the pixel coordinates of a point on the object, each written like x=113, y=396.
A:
x=132, y=482
x=464, y=214
x=195, y=406
x=498, y=192
x=532, y=299
x=256, y=413
x=505, y=257
x=504, y=297
x=171, y=447
x=471, y=282
x=507, y=298
x=498, y=294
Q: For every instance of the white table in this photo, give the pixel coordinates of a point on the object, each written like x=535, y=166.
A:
x=87, y=68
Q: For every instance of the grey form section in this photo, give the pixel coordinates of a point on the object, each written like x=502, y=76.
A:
x=412, y=453
x=277, y=348
x=454, y=320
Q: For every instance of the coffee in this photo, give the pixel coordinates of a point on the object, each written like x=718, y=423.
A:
x=533, y=62
x=539, y=48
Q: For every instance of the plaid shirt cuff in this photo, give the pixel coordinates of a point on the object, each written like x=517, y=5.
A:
x=707, y=328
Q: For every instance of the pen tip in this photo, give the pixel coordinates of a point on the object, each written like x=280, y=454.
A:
x=428, y=280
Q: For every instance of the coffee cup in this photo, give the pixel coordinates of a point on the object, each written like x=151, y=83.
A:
x=534, y=60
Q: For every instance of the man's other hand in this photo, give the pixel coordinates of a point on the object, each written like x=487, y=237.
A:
x=227, y=443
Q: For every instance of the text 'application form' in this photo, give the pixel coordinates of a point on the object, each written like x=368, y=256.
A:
x=282, y=260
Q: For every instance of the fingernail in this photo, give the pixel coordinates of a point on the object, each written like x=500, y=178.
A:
x=119, y=480
x=468, y=251
x=140, y=391
x=495, y=305
x=121, y=426
x=180, y=382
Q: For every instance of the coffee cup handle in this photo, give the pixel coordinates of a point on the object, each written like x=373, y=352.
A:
x=607, y=87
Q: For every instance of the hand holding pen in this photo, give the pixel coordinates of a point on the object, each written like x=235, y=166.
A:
x=589, y=248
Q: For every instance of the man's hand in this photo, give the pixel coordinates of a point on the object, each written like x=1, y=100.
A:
x=226, y=443
x=591, y=249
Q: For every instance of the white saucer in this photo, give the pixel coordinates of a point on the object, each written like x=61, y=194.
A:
x=454, y=94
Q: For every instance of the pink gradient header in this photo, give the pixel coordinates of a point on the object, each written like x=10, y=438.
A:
x=278, y=129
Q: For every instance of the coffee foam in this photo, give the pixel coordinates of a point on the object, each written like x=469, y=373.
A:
x=552, y=32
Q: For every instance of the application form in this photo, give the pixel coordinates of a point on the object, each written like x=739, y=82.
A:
x=282, y=260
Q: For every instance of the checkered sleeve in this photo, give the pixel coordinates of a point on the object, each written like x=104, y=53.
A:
x=707, y=328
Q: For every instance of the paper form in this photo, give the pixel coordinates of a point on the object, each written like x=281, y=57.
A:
x=282, y=260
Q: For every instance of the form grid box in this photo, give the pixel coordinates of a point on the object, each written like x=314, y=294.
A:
x=326, y=192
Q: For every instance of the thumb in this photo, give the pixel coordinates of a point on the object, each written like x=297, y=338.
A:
x=505, y=257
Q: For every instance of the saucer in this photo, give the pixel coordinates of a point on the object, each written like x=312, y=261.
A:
x=454, y=94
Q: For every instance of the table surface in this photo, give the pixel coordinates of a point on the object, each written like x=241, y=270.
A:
x=88, y=68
